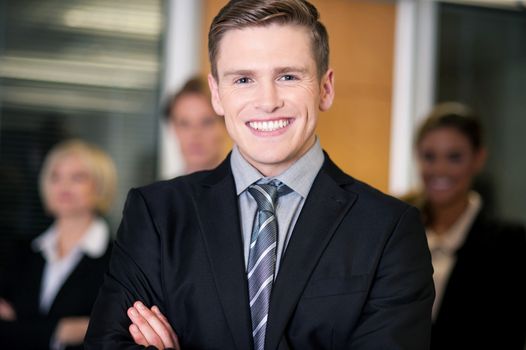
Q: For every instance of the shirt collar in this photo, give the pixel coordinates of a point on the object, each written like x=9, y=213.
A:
x=451, y=240
x=93, y=243
x=299, y=176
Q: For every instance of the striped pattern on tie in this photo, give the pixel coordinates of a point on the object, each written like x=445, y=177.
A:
x=262, y=257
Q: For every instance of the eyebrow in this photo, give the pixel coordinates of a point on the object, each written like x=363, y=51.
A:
x=277, y=71
x=239, y=72
x=291, y=69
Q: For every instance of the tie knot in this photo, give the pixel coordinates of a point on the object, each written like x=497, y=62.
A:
x=266, y=195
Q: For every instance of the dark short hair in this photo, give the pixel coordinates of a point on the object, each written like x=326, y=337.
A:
x=194, y=85
x=248, y=13
x=456, y=116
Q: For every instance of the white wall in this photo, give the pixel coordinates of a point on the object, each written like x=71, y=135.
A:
x=413, y=86
x=182, y=49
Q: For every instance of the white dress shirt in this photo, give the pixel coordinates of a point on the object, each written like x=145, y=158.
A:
x=57, y=269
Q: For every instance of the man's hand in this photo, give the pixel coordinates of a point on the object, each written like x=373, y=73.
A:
x=71, y=330
x=7, y=312
x=150, y=327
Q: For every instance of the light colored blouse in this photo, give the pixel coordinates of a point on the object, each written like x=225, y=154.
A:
x=444, y=246
x=57, y=270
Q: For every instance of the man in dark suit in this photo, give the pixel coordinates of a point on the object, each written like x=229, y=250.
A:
x=276, y=248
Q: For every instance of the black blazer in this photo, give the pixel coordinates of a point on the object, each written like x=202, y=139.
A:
x=21, y=286
x=484, y=304
x=356, y=273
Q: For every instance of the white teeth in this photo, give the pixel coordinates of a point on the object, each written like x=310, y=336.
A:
x=271, y=125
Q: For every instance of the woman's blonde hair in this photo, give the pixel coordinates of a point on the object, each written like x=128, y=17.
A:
x=99, y=164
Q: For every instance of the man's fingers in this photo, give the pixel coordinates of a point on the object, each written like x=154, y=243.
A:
x=149, y=334
x=137, y=336
x=156, y=324
x=164, y=320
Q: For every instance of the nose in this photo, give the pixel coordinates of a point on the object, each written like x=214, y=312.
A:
x=268, y=97
x=439, y=166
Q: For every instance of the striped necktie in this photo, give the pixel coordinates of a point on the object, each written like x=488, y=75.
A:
x=262, y=256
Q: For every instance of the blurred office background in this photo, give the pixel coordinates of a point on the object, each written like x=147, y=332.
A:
x=82, y=68
x=100, y=69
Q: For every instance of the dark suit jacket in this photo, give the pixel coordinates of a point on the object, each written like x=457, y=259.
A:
x=356, y=273
x=21, y=285
x=484, y=304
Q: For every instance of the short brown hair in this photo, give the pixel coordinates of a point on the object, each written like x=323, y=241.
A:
x=453, y=115
x=100, y=167
x=194, y=85
x=248, y=13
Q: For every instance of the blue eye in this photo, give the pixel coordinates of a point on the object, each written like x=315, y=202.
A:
x=243, y=80
x=288, y=77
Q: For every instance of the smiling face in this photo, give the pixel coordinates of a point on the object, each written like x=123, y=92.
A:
x=448, y=163
x=270, y=94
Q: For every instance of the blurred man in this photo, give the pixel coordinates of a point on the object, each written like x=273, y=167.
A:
x=199, y=130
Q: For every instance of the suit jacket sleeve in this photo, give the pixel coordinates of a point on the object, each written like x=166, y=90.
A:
x=134, y=274
x=397, y=313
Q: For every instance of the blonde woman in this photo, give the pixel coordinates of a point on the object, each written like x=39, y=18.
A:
x=47, y=295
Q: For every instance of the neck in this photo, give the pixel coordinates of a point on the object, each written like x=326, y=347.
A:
x=271, y=170
x=444, y=217
x=70, y=231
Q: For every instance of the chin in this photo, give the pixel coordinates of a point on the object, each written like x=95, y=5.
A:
x=442, y=199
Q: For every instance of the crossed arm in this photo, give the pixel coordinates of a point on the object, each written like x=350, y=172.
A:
x=134, y=274
x=136, y=269
x=68, y=331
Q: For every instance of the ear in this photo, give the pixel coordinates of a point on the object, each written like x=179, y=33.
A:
x=327, y=90
x=214, y=91
x=480, y=159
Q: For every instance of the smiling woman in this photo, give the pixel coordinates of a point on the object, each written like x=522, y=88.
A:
x=479, y=262
x=450, y=153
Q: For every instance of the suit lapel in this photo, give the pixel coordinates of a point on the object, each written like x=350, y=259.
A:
x=68, y=289
x=219, y=217
x=324, y=209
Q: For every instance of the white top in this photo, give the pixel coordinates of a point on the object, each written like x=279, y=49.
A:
x=57, y=270
x=444, y=246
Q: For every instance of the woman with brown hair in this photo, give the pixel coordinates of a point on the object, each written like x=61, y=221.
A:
x=479, y=262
